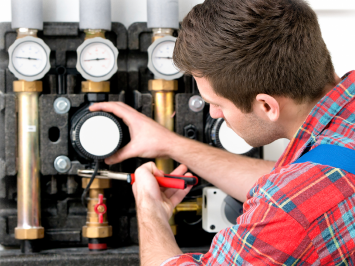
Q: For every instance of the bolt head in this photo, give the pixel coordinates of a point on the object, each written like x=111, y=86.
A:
x=197, y=103
x=62, y=105
x=62, y=164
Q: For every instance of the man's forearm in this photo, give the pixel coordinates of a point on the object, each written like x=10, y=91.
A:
x=234, y=174
x=156, y=240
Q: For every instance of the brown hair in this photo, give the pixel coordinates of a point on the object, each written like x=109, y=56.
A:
x=247, y=47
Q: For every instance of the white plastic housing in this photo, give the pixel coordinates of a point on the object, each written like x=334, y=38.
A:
x=213, y=205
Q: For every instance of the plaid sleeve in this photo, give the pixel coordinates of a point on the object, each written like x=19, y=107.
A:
x=263, y=235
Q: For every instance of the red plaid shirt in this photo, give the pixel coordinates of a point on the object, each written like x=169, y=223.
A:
x=299, y=214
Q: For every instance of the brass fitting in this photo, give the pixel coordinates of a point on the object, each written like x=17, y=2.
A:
x=162, y=85
x=27, y=86
x=93, y=228
x=91, y=86
x=29, y=234
x=97, y=184
x=97, y=232
x=190, y=206
x=90, y=33
x=161, y=32
x=24, y=32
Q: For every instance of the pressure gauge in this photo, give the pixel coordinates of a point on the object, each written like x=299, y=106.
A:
x=97, y=59
x=95, y=135
x=218, y=134
x=160, y=59
x=29, y=58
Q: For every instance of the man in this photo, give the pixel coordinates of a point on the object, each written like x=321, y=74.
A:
x=263, y=66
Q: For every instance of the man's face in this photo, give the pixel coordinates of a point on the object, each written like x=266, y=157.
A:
x=253, y=129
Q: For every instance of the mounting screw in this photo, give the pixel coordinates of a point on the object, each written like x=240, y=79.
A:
x=212, y=227
x=62, y=164
x=196, y=103
x=61, y=105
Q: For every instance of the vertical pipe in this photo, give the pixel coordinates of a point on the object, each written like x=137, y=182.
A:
x=95, y=14
x=163, y=14
x=28, y=183
x=163, y=114
x=27, y=14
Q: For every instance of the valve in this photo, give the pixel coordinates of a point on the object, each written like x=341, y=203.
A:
x=101, y=208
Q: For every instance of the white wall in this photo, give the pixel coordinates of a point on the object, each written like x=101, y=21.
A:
x=335, y=17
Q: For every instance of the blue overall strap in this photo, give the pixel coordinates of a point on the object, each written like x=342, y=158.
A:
x=331, y=155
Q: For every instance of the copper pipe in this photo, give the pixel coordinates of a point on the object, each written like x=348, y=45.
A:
x=28, y=183
x=163, y=114
x=163, y=93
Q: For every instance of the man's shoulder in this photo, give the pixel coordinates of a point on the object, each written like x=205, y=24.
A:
x=305, y=191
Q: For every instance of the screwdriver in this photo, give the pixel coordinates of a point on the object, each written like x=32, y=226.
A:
x=168, y=181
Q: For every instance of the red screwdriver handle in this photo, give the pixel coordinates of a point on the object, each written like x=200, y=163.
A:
x=166, y=182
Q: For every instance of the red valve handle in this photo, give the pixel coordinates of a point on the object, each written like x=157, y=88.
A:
x=101, y=213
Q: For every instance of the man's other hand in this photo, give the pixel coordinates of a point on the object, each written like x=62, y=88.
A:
x=148, y=138
x=150, y=197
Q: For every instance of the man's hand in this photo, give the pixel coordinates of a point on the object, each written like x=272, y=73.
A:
x=148, y=194
x=154, y=208
x=148, y=138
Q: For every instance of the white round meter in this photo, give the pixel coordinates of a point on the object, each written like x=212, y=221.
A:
x=99, y=135
x=97, y=59
x=29, y=58
x=231, y=141
x=160, y=56
x=218, y=134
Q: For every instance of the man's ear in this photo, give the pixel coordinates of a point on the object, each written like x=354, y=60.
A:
x=267, y=106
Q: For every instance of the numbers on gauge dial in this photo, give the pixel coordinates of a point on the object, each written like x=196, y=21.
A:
x=162, y=57
x=97, y=59
x=29, y=58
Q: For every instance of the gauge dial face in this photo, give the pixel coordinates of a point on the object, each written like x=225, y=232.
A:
x=162, y=58
x=29, y=58
x=97, y=59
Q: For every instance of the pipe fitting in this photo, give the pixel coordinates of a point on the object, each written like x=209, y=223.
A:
x=161, y=32
x=96, y=221
x=27, y=86
x=91, y=33
x=162, y=85
x=24, y=32
x=29, y=233
x=97, y=87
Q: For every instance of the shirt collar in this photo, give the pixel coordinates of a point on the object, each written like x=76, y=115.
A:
x=320, y=116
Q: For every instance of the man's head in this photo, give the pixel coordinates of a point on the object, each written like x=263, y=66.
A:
x=250, y=47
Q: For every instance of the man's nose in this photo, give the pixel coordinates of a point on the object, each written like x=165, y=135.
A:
x=215, y=112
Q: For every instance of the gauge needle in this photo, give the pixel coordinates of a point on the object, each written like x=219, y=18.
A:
x=96, y=59
x=28, y=58
x=163, y=57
